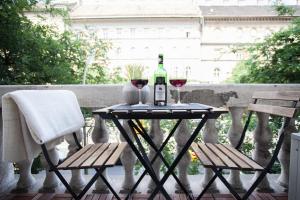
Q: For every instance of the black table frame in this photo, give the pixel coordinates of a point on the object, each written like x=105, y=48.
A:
x=136, y=115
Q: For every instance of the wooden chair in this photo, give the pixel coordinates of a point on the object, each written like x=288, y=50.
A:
x=223, y=156
x=97, y=156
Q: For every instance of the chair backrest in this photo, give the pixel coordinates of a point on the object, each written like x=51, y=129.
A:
x=283, y=104
x=276, y=103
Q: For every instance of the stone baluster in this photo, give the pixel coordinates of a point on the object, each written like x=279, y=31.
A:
x=77, y=181
x=210, y=135
x=157, y=136
x=100, y=135
x=262, y=141
x=284, y=155
x=6, y=169
x=234, y=135
x=182, y=135
x=51, y=181
x=128, y=160
x=26, y=180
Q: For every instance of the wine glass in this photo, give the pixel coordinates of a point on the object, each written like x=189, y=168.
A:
x=178, y=78
x=139, y=79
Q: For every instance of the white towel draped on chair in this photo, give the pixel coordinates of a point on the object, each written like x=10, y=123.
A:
x=34, y=117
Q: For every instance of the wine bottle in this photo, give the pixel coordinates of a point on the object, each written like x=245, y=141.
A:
x=160, y=83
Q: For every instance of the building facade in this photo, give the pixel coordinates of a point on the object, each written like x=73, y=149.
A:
x=197, y=35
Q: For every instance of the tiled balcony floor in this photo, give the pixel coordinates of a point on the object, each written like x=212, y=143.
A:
x=115, y=177
x=39, y=196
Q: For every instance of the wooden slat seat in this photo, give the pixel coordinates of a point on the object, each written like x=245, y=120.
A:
x=223, y=156
x=94, y=156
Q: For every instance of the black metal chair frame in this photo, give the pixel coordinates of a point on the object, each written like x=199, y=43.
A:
x=98, y=174
x=263, y=173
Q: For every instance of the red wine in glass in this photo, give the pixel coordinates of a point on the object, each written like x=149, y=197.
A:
x=178, y=82
x=139, y=83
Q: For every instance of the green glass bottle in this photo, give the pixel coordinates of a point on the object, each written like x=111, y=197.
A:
x=160, y=71
x=160, y=83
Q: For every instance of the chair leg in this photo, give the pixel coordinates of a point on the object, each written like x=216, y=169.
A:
x=255, y=184
x=90, y=183
x=208, y=185
x=88, y=186
x=65, y=183
x=107, y=184
x=220, y=176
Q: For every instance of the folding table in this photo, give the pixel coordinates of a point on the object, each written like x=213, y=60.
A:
x=133, y=115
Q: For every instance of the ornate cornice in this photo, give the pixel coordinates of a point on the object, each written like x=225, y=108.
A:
x=248, y=18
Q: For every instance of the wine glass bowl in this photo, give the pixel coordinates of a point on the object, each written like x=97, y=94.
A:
x=139, y=80
x=178, y=79
x=178, y=82
x=139, y=83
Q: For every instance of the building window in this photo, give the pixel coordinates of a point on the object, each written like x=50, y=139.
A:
x=188, y=72
x=187, y=34
x=239, y=55
x=105, y=33
x=217, y=72
x=119, y=31
x=118, y=51
x=160, y=32
x=132, y=32
x=146, y=30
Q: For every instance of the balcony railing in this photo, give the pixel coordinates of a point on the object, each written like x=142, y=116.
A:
x=235, y=96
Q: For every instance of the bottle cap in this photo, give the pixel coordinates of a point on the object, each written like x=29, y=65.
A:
x=160, y=58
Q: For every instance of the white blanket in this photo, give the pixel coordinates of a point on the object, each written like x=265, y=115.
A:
x=34, y=117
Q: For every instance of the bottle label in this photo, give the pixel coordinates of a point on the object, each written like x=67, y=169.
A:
x=160, y=92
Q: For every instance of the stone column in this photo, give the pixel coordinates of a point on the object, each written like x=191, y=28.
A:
x=128, y=160
x=262, y=141
x=51, y=180
x=210, y=135
x=157, y=136
x=100, y=135
x=284, y=155
x=77, y=181
x=234, y=135
x=6, y=169
x=182, y=135
x=26, y=180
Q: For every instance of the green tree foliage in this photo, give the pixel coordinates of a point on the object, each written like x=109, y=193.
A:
x=283, y=10
x=274, y=60
x=38, y=54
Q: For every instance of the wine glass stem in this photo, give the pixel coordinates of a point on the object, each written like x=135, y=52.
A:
x=140, y=96
x=178, y=94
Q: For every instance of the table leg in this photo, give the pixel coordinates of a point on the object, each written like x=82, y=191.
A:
x=147, y=161
x=181, y=154
x=156, y=155
x=142, y=158
x=147, y=138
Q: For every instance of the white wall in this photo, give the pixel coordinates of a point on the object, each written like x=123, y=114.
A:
x=221, y=37
x=141, y=40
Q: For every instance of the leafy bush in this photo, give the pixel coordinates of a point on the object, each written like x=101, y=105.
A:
x=274, y=60
x=38, y=54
